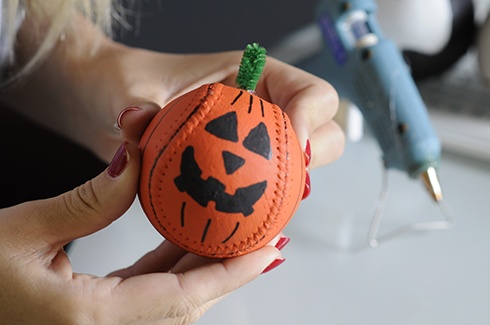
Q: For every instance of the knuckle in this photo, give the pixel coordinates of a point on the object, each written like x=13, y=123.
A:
x=184, y=308
x=339, y=140
x=184, y=303
x=193, y=317
x=325, y=105
x=83, y=200
x=330, y=97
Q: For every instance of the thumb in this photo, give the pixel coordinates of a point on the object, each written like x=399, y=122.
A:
x=84, y=210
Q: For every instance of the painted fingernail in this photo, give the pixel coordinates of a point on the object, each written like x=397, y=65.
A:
x=283, y=241
x=119, y=162
x=308, y=153
x=127, y=109
x=274, y=264
x=307, y=190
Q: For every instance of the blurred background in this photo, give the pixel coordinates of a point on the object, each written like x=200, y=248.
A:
x=209, y=26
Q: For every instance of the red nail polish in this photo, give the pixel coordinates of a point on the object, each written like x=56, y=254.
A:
x=283, y=241
x=308, y=153
x=274, y=264
x=119, y=117
x=307, y=190
x=119, y=162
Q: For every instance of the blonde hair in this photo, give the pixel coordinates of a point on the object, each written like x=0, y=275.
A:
x=51, y=18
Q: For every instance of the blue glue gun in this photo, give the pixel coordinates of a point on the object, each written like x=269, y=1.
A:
x=369, y=70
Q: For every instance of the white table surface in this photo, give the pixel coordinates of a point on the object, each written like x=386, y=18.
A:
x=331, y=276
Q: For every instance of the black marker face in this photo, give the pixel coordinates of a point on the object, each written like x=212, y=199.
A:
x=203, y=191
x=211, y=189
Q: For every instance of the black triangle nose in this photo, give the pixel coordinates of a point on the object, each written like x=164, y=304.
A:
x=232, y=162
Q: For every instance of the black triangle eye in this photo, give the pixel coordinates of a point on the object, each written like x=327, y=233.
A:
x=258, y=141
x=224, y=127
x=232, y=162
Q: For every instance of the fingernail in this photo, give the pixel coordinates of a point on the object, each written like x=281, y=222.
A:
x=308, y=153
x=119, y=162
x=283, y=241
x=307, y=190
x=274, y=264
x=128, y=109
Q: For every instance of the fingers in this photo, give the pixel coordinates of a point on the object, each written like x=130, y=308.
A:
x=164, y=295
x=82, y=211
x=191, y=261
x=309, y=101
x=167, y=257
x=327, y=143
x=162, y=259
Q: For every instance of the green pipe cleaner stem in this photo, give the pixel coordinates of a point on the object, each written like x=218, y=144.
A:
x=251, y=67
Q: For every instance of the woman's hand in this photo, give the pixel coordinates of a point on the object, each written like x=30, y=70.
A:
x=167, y=286
x=81, y=94
x=310, y=102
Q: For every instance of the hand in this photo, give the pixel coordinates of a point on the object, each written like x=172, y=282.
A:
x=310, y=102
x=167, y=286
x=80, y=94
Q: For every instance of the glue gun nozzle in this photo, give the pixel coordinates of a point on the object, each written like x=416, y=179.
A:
x=431, y=182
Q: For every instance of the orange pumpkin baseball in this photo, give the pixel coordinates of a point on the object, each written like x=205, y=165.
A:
x=222, y=171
